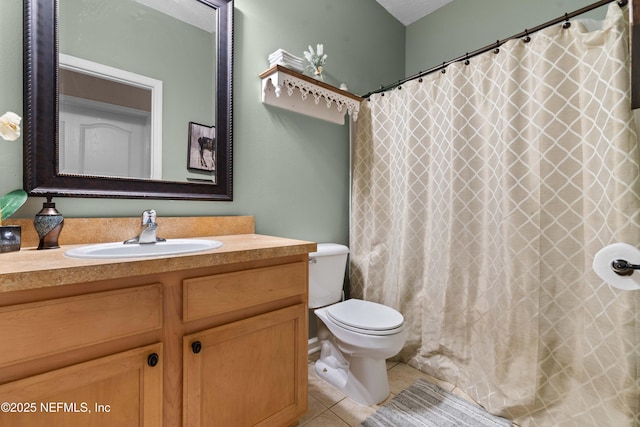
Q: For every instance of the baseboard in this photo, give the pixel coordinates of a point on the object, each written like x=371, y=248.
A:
x=314, y=345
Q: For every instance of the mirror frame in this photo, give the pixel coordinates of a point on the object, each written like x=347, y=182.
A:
x=40, y=91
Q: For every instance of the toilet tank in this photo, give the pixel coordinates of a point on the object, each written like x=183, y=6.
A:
x=326, y=274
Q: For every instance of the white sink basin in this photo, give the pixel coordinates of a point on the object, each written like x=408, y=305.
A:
x=134, y=250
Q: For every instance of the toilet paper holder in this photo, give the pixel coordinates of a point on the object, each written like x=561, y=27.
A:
x=623, y=268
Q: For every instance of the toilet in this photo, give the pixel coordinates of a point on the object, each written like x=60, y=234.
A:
x=356, y=337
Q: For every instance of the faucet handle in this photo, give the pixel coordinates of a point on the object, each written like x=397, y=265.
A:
x=149, y=217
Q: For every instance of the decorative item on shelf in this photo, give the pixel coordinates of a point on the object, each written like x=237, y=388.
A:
x=48, y=223
x=10, y=235
x=284, y=58
x=316, y=61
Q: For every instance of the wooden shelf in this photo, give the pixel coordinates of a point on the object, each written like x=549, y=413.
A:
x=306, y=95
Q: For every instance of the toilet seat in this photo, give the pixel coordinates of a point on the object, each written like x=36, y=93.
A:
x=366, y=317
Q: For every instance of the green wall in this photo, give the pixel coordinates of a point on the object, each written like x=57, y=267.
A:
x=290, y=171
x=466, y=25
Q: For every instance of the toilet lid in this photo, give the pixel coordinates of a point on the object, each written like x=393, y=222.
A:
x=365, y=315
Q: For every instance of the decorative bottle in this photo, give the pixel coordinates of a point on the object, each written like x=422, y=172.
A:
x=48, y=223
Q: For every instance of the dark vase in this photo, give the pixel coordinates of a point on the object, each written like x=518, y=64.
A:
x=48, y=223
x=10, y=238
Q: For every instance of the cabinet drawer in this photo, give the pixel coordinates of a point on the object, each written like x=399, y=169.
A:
x=39, y=329
x=224, y=293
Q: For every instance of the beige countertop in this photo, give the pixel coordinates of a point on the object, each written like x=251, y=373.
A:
x=30, y=268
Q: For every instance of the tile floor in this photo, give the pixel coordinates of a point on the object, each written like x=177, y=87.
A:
x=328, y=407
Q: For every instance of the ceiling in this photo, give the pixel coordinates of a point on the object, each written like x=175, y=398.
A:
x=409, y=11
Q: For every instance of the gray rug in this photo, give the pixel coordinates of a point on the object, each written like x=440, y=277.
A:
x=426, y=404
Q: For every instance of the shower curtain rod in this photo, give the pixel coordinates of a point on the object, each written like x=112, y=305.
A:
x=499, y=43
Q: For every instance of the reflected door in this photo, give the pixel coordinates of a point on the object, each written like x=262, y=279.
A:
x=102, y=141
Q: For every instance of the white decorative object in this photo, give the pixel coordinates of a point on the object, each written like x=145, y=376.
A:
x=293, y=91
x=10, y=126
x=284, y=58
x=316, y=60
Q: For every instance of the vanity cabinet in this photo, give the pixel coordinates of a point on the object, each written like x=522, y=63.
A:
x=209, y=340
x=43, y=382
x=251, y=371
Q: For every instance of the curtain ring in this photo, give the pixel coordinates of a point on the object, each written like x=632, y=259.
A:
x=566, y=24
x=526, y=39
x=622, y=3
x=443, y=68
x=466, y=60
x=497, y=49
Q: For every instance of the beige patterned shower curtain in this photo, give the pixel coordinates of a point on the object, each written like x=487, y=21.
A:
x=479, y=199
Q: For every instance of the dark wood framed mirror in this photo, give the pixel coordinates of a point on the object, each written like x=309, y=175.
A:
x=43, y=146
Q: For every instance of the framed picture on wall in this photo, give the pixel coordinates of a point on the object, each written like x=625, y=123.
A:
x=202, y=147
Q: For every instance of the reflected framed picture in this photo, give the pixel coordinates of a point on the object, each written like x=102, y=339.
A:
x=202, y=147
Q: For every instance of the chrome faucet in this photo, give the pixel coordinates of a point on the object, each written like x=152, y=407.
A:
x=149, y=228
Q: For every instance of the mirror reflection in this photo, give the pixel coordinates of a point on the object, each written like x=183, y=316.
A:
x=110, y=121
x=179, y=50
x=134, y=75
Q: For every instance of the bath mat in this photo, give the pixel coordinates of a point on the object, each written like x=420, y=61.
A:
x=426, y=404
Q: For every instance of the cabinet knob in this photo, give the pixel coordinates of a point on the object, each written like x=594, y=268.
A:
x=152, y=360
x=196, y=346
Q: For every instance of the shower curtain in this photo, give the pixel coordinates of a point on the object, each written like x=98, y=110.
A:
x=479, y=198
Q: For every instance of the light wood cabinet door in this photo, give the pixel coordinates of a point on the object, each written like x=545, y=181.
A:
x=124, y=389
x=249, y=372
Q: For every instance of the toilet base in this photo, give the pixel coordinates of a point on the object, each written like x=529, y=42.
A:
x=362, y=379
